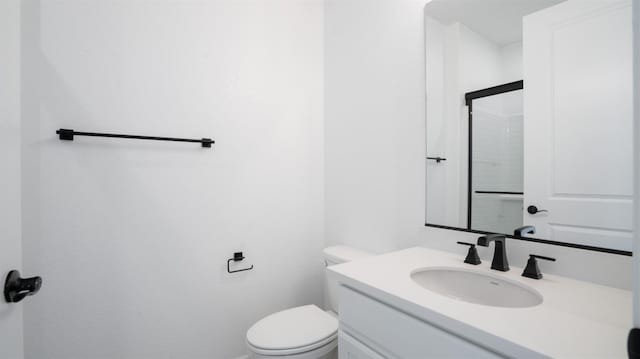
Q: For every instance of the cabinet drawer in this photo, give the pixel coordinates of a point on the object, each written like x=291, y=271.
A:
x=350, y=348
x=400, y=334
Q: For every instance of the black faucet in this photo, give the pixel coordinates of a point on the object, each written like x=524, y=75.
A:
x=518, y=232
x=500, y=254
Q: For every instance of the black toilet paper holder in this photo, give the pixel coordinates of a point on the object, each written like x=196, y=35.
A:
x=237, y=257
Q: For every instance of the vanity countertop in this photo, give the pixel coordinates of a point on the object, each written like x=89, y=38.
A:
x=576, y=319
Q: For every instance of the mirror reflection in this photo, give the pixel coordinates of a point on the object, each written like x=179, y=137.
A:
x=496, y=158
x=529, y=118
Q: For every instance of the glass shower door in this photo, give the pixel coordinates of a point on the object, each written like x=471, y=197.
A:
x=496, y=162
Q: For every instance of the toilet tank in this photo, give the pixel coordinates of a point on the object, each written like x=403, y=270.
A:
x=332, y=256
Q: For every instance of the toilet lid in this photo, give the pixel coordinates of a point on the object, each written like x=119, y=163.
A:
x=293, y=328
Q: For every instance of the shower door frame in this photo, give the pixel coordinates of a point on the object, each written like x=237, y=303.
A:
x=468, y=99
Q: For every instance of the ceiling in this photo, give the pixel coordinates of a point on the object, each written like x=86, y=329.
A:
x=497, y=20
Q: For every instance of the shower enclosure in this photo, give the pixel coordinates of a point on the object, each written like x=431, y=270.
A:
x=495, y=162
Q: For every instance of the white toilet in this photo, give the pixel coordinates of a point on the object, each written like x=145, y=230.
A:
x=305, y=332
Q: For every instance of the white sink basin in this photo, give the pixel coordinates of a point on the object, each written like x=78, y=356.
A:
x=478, y=288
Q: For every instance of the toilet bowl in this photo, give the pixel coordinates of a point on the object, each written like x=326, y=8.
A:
x=305, y=332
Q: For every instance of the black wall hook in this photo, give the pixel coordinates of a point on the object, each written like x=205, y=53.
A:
x=237, y=256
x=16, y=288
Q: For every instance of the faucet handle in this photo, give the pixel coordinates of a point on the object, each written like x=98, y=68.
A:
x=472, y=255
x=542, y=257
x=532, y=270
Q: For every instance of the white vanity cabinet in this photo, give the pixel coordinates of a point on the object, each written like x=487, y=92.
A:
x=370, y=329
x=385, y=313
x=352, y=348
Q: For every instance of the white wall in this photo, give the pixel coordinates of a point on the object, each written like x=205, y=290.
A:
x=374, y=123
x=132, y=237
x=374, y=142
x=511, y=58
x=479, y=62
x=436, y=173
x=479, y=65
x=458, y=60
x=10, y=243
x=456, y=155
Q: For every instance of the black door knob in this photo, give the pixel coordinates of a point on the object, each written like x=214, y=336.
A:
x=534, y=210
x=16, y=288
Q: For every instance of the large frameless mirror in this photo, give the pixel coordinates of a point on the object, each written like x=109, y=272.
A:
x=529, y=119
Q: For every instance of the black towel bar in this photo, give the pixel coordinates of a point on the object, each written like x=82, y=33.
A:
x=68, y=135
x=499, y=192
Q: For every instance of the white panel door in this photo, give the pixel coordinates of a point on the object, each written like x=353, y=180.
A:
x=11, y=346
x=578, y=122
